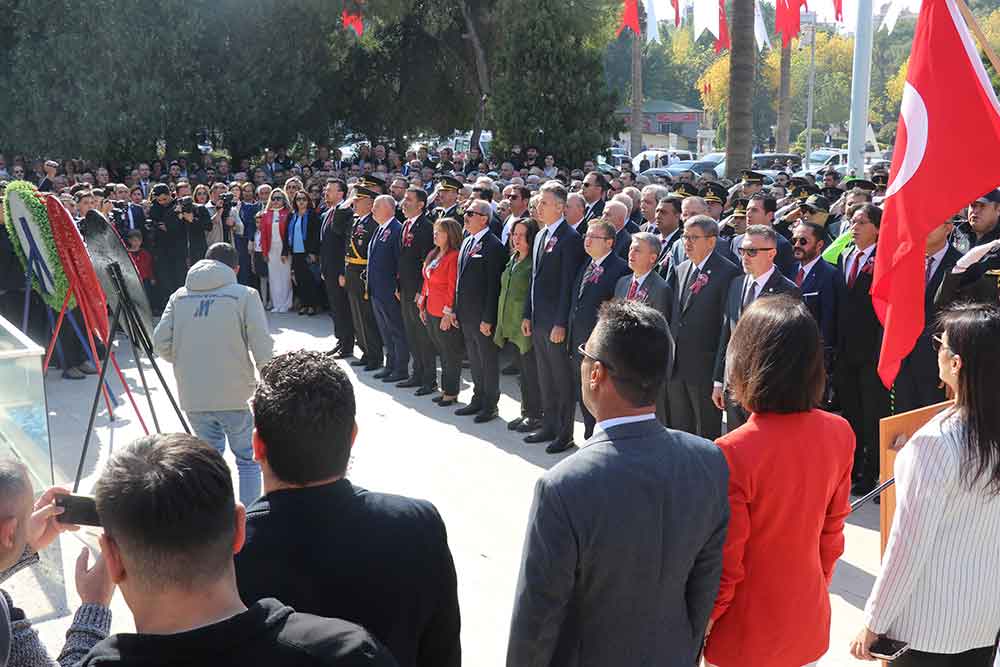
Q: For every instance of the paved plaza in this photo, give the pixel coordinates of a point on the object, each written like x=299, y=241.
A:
x=480, y=477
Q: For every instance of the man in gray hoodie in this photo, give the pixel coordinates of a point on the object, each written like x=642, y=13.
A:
x=208, y=331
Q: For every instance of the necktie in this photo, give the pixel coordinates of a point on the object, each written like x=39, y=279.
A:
x=800, y=277
x=929, y=270
x=854, y=268
x=633, y=288
x=586, y=275
x=750, y=293
x=465, y=251
x=406, y=228
x=540, y=248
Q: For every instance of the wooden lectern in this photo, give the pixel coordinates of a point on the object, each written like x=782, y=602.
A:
x=889, y=431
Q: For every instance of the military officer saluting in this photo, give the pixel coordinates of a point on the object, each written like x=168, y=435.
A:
x=355, y=278
x=447, y=199
x=976, y=276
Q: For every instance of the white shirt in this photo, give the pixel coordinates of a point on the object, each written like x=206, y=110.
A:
x=857, y=255
x=536, y=257
x=758, y=283
x=806, y=268
x=938, y=589
x=605, y=424
x=638, y=280
x=936, y=259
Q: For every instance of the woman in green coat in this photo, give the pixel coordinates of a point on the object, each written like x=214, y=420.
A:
x=514, y=285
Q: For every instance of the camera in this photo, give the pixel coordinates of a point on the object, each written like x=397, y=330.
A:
x=227, y=199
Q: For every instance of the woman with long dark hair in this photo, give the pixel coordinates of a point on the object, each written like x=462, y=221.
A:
x=939, y=589
x=436, y=300
x=303, y=241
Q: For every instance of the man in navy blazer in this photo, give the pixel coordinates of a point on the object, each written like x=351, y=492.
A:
x=556, y=258
x=614, y=570
x=383, y=286
x=761, y=279
x=819, y=282
x=481, y=260
x=594, y=284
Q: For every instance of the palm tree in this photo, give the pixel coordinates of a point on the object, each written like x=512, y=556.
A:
x=739, y=140
x=784, y=101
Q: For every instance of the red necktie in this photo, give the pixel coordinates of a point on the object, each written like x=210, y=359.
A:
x=800, y=277
x=854, y=268
x=633, y=288
x=406, y=228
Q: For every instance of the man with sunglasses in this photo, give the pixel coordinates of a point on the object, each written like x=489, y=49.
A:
x=819, y=281
x=761, y=279
x=595, y=188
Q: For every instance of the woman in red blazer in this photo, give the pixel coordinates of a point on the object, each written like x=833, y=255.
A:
x=436, y=300
x=789, y=494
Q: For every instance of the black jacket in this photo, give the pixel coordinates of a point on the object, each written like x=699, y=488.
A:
x=335, y=227
x=416, y=243
x=587, y=301
x=477, y=293
x=859, y=332
x=268, y=633
x=375, y=559
x=554, y=268
x=311, y=241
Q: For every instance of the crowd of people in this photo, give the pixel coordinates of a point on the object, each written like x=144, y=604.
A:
x=671, y=314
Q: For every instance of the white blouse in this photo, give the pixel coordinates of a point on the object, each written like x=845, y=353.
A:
x=939, y=588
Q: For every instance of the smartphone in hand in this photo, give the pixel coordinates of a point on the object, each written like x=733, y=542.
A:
x=79, y=510
x=888, y=649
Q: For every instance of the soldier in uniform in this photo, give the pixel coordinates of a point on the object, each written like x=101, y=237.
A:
x=447, y=199
x=975, y=277
x=736, y=223
x=716, y=196
x=355, y=279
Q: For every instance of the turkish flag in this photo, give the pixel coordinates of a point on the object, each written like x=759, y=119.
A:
x=786, y=19
x=353, y=22
x=630, y=17
x=723, y=41
x=949, y=115
x=677, y=12
x=838, y=10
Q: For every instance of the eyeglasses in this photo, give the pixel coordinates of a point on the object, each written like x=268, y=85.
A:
x=800, y=241
x=596, y=236
x=751, y=252
x=468, y=213
x=688, y=238
x=588, y=355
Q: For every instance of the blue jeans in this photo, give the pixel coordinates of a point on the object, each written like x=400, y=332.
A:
x=236, y=426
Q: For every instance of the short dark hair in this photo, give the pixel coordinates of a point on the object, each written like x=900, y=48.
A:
x=672, y=202
x=770, y=203
x=774, y=362
x=420, y=194
x=167, y=501
x=304, y=410
x=601, y=179
x=818, y=231
x=225, y=253
x=340, y=183
x=635, y=342
x=873, y=212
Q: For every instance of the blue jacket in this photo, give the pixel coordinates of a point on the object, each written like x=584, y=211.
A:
x=383, y=261
x=821, y=293
x=555, y=267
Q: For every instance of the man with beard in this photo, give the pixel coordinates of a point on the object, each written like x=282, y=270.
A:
x=168, y=238
x=819, y=283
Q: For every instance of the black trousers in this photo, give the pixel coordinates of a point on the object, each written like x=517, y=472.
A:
x=484, y=362
x=448, y=345
x=588, y=419
x=555, y=379
x=980, y=657
x=340, y=312
x=171, y=271
x=531, y=394
x=911, y=392
x=305, y=282
x=692, y=409
x=365, y=327
x=421, y=347
x=863, y=401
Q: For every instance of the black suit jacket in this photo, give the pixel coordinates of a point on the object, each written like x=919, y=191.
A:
x=623, y=241
x=655, y=293
x=665, y=261
x=416, y=243
x=776, y=284
x=594, y=212
x=697, y=318
x=586, y=301
x=478, y=286
x=821, y=292
x=859, y=332
x=334, y=230
x=552, y=280
x=376, y=559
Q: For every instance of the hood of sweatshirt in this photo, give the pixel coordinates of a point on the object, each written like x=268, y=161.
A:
x=209, y=274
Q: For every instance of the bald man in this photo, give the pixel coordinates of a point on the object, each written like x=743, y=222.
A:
x=383, y=287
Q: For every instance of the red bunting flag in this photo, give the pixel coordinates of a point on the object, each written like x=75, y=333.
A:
x=630, y=17
x=838, y=10
x=786, y=19
x=677, y=12
x=723, y=41
x=353, y=22
x=934, y=134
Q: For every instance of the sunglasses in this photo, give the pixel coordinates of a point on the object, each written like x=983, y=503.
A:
x=800, y=241
x=587, y=355
x=751, y=252
x=468, y=213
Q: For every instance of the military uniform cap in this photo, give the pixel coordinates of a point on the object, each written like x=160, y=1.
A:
x=362, y=192
x=713, y=192
x=449, y=183
x=752, y=177
x=816, y=203
x=860, y=183
x=685, y=190
x=373, y=183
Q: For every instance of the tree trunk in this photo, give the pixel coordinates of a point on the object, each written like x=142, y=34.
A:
x=482, y=72
x=784, y=101
x=739, y=128
x=636, y=120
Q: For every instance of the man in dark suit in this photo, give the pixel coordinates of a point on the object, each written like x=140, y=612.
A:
x=383, y=287
x=416, y=240
x=481, y=260
x=700, y=287
x=917, y=383
x=668, y=225
x=595, y=187
x=863, y=399
x=761, y=279
x=556, y=258
x=616, y=213
x=336, y=227
x=820, y=284
x=614, y=571
x=366, y=551
x=594, y=284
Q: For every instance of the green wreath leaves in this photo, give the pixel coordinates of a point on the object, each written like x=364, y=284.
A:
x=40, y=218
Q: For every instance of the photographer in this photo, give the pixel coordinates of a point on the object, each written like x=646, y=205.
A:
x=28, y=528
x=224, y=211
x=196, y=222
x=165, y=227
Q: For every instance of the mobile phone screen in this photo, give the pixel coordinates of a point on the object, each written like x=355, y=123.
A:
x=80, y=510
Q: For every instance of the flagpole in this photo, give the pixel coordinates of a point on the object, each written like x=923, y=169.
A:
x=970, y=21
x=860, y=88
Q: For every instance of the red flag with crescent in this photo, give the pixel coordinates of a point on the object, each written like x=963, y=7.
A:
x=934, y=134
x=787, y=19
x=838, y=10
x=677, y=12
x=353, y=22
x=723, y=41
x=630, y=17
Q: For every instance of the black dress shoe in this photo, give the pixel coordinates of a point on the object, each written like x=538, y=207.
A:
x=510, y=370
x=469, y=409
x=384, y=373
x=363, y=361
x=513, y=424
x=395, y=377
x=540, y=436
x=530, y=425
x=334, y=352
x=445, y=402
x=438, y=399
x=559, y=446
x=485, y=416
x=409, y=382
x=423, y=391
